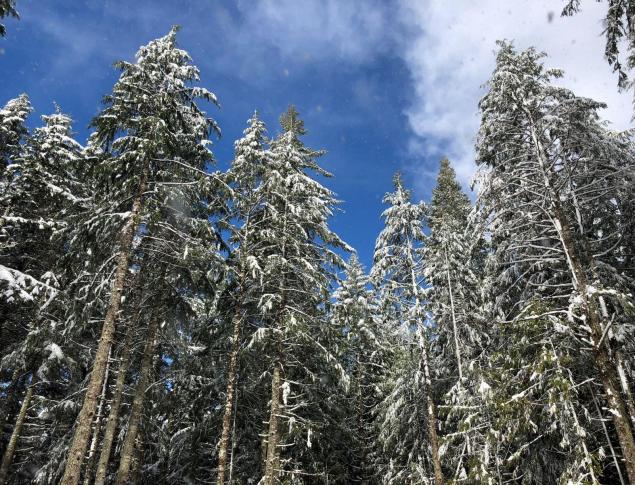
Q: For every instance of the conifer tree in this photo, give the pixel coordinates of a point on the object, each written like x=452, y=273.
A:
x=397, y=271
x=452, y=293
x=551, y=167
x=450, y=268
x=7, y=9
x=49, y=168
x=154, y=135
x=363, y=346
x=297, y=270
x=245, y=176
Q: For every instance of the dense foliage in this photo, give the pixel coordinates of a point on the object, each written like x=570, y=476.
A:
x=161, y=322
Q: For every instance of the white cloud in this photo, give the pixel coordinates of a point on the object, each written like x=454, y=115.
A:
x=451, y=55
x=353, y=30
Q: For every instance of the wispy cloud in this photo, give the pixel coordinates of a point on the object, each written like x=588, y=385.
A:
x=451, y=55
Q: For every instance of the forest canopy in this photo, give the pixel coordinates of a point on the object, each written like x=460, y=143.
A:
x=166, y=321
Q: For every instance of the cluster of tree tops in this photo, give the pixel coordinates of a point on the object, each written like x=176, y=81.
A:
x=161, y=322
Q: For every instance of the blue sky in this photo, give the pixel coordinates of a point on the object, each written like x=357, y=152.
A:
x=382, y=85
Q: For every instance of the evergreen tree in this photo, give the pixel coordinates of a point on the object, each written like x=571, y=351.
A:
x=155, y=146
x=363, y=346
x=246, y=176
x=7, y=9
x=49, y=167
x=551, y=166
x=397, y=271
x=451, y=268
x=297, y=270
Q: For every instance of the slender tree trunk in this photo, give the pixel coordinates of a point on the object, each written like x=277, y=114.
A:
x=233, y=447
x=431, y=413
x=84, y=420
x=90, y=464
x=606, y=367
x=360, y=410
x=7, y=458
x=137, y=462
x=231, y=383
x=608, y=436
x=589, y=307
x=272, y=465
x=621, y=371
x=115, y=406
x=454, y=325
x=136, y=412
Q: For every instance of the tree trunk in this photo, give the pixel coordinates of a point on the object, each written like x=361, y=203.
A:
x=128, y=448
x=455, y=330
x=614, y=399
x=621, y=371
x=425, y=363
x=137, y=462
x=115, y=406
x=606, y=367
x=272, y=464
x=431, y=415
x=84, y=420
x=90, y=464
x=7, y=458
x=607, y=435
x=231, y=383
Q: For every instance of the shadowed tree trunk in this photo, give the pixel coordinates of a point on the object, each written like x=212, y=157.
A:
x=10, y=399
x=7, y=458
x=231, y=384
x=272, y=464
x=115, y=406
x=92, y=452
x=431, y=415
x=84, y=420
x=136, y=412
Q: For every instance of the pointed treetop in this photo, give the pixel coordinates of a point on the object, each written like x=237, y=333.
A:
x=397, y=180
x=291, y=122
x=12, y=128
x=401, y=195
x=450, y=206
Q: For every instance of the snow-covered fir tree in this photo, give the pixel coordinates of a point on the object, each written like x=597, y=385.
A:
x=7, y=9
x=451, y=261
x=34, y=353
x=161, y=322
x=151, y=155
x=297, y=268
x=363, y=345
x=551, y=168
x=408, y=418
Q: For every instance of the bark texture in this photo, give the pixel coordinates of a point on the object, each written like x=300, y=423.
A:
x=115, y=406
x=84, y=421
x=228, y=411
x=7, y=458
x=272, y=464
x=136, y=412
